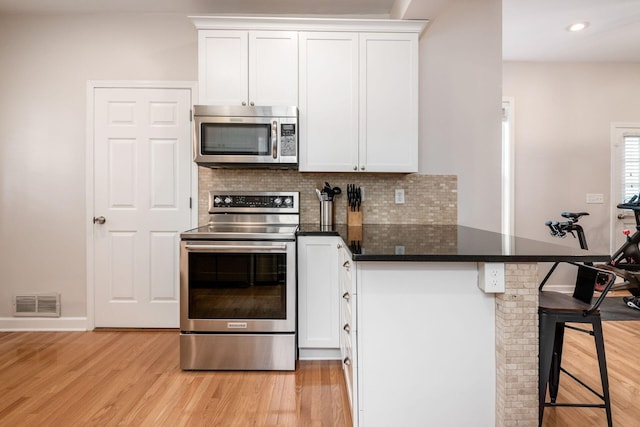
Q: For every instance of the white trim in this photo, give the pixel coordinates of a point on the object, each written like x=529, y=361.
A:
x=508, y=174
x=307, y=24
x=319, y=354
x=131, y=84
x=23, y=324
x=617, y=131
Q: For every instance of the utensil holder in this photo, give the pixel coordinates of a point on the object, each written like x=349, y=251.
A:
x=326, y=213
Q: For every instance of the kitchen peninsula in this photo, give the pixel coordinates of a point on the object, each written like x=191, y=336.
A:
x=424, y=344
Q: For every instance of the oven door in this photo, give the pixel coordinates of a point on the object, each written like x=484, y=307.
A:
x=237, y=286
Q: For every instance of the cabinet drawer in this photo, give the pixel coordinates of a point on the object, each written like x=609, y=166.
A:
x=346, y=273
x=347, y=367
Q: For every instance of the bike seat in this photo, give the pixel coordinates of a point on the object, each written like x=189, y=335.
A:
x=573, y=216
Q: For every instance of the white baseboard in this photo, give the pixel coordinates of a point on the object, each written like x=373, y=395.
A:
x=319, y=354
x=565, y=289
x=19, y=324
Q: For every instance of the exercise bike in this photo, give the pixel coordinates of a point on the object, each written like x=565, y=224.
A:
x=625, y=262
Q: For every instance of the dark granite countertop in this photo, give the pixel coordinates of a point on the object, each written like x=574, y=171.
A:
x=446, y=243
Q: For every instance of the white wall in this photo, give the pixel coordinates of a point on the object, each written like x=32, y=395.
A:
x=46, y=63
x=460, y=106
x=563, y=116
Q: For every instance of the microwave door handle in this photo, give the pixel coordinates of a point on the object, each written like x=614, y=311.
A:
x=274, y=138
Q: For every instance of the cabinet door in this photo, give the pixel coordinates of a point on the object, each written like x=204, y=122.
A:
x=388, y=102
x=222, y=67
x=328, y=101
x=318, y=293
x=273, y=68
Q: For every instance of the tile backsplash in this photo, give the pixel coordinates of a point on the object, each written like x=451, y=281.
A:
x=429, y=199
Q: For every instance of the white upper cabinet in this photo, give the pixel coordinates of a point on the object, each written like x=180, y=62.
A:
x=388, y=102
x=355, y=83
x=328, y=101
x=248, y=67
x=359, y=102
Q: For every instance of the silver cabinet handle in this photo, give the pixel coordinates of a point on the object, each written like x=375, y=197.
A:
x=339, y=245
x=361, y=167
x=346, y=296
x=347, y=361
x=347, y=328
x=274, y=138
x=99, y=220
x=346, y=265
x=355, y=168
x=244, y=103
x=251, y=103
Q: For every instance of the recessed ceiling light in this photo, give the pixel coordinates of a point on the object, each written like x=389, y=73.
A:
x=578, y=26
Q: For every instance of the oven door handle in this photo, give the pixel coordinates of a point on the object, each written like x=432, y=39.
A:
x=236, y=248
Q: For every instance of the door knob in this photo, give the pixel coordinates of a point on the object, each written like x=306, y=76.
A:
x=99, y=220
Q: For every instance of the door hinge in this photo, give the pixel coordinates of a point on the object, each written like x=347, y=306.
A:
x=190, y=202
x=190, y=115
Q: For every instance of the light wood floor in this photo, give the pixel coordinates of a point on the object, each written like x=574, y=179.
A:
x=133, y=379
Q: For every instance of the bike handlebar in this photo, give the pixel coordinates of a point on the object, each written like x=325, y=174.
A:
x=561, y=229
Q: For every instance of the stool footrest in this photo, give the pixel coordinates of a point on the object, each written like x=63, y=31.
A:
x=577, y=405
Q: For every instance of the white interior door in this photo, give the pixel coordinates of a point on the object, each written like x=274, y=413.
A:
x=625, y=179
x=142, y=189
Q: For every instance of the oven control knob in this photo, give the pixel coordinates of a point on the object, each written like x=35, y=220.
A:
x=217, y=200
x=227, y=200
x=288, y=201
x=277, y=201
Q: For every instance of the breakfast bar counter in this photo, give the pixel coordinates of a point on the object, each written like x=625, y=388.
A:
x=445, y=243
x=433, y=348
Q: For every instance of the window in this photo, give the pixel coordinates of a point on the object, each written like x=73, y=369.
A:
x=631, y=166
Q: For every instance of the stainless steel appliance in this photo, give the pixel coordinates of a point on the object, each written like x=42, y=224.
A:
x=238, y=284
x=238, y=136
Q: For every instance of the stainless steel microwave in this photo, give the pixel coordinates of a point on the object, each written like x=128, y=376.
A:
x=246, y=136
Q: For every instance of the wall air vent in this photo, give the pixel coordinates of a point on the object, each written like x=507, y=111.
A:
x=37, y=305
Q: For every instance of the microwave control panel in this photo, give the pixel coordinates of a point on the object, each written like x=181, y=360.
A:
x=288, y=140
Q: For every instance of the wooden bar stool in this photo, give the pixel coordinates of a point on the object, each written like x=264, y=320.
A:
x=555, y=310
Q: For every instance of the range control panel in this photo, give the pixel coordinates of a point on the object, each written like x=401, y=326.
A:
x=253, y=202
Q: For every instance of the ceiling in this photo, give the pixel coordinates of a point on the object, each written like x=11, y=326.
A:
x=533, y=30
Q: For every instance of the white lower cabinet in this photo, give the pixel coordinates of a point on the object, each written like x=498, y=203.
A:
x=415, y=338
x=348, y=327
x=318, y=298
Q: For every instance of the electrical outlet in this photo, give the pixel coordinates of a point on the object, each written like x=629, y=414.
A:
x=399, y=196
x=361, y=194
x=491, y=277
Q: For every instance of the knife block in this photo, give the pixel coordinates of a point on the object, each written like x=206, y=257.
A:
x=354, y=219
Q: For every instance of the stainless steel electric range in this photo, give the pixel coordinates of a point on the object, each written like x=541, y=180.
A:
x=238, y=284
